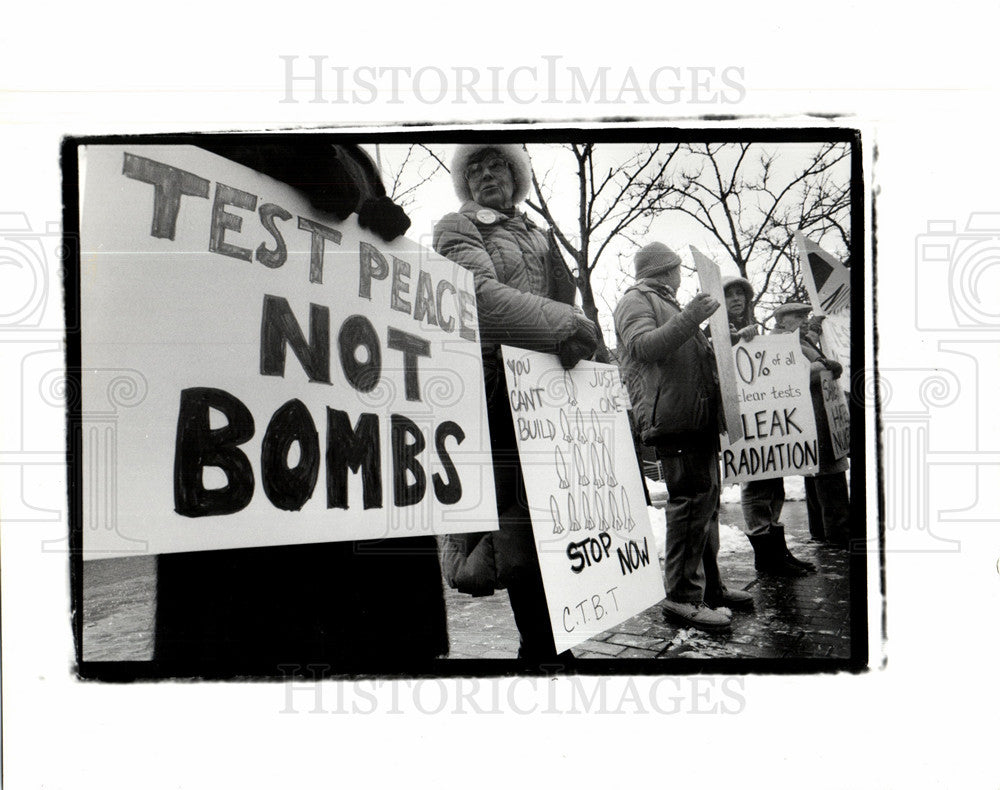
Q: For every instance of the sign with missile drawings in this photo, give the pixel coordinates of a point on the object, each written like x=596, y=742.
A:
x=588, y=509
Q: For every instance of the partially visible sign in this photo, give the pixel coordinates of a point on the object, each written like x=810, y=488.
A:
x=837, y=414
x=827, y=280
x=588, y=510
x=257, y=373
x=779, y=429
x=835, y=340
x=711, y=284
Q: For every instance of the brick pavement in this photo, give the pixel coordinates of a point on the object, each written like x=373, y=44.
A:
x=805, y=617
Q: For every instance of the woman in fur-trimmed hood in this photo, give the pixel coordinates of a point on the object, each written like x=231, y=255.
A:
x=514, y=154
x=524, y=295
x=739, y=302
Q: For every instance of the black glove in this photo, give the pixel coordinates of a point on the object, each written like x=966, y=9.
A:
x=579, y=345
x=834, y=367
x=382, y=216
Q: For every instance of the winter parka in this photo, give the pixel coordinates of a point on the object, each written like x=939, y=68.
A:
x=667, y=365
x=524, y=293
x=523, y=289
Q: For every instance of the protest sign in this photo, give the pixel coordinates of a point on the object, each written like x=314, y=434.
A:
x=828, y=282
x=588, y=509
x=779, y=428
x=711, y=284
x=837, y=415
x=255, y=372
x=835, y=341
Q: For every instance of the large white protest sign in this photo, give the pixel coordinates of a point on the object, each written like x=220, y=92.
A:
x=588, y=509
x=255, y=372
x=837, y=415
x=779, y=428
x=711, y=284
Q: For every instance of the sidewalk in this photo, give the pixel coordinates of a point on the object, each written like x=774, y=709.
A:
x=801, y=618
x=805, y=617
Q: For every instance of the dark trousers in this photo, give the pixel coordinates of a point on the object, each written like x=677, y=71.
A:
x=515, y=552
x=762, y=502
x=692, y=479
x=828, y=505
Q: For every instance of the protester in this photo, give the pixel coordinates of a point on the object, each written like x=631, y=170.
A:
x=827, y=498
x=761, y=500
x=349, y=606
x=525, y=298
x=669, y=369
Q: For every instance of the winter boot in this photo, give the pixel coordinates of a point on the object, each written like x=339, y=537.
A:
x=769, y=557
x=790, y=559
x=725, y=598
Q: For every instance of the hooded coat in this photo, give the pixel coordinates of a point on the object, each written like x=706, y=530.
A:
x=524, y=293
x=747, y=318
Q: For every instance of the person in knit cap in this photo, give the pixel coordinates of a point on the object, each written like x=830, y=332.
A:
x=761, y=500
x=525, y=295
x=827, y=497
x=669, y=369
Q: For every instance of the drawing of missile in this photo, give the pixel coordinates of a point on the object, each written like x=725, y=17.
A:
x=561, y=469
x=595, y=467
x=574, y=525
x=627, y=510
x=615, y=517
x=557, y=527
x=570, y=387
x=581, y=470
x=598, y=434
x=564, y=424
x=588, y=519
x=609, y=470
x=599, y=508
x=581, y=432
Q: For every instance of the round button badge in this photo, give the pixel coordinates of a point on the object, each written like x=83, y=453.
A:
x=486, y=217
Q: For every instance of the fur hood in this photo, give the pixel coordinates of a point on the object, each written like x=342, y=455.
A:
x=744, y=285
x=514, y=153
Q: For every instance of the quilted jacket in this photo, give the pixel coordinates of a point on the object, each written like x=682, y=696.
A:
x=668, y=367
x=524, y=293
x=523, y=289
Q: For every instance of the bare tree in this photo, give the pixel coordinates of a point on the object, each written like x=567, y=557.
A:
x=418, y=165
x=616, y=192
x=751, y=201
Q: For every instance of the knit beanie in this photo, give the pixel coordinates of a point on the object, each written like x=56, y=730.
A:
x=513, y=153
x=654, y=259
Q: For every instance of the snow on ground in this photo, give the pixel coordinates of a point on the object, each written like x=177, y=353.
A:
x=730, y=535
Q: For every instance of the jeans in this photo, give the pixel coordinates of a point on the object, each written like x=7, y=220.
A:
x=692, y=479
x=762, y=501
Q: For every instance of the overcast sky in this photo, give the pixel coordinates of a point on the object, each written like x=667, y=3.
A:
x=557, y=167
